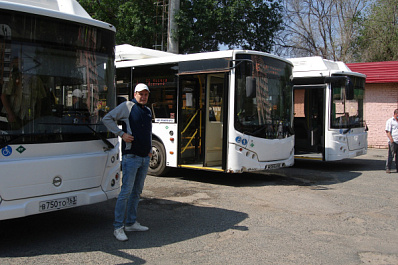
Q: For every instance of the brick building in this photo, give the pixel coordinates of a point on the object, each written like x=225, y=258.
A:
x=381, y=97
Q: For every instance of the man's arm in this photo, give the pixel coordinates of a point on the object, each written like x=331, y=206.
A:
x=121, y=112
x=110, y=119
x=389, y=136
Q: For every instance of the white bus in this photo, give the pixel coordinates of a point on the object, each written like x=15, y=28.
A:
x=227, y=111
x=328, y=110
x=56, y=83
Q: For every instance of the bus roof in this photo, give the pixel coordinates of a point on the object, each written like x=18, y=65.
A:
x=63, y=9
x=174, y=58
x=316, y=66
x=127, y=52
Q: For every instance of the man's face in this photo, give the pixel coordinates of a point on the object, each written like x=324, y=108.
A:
x=142, y=96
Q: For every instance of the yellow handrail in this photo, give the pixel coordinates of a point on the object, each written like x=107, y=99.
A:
x=189, y=123
x=192, y=137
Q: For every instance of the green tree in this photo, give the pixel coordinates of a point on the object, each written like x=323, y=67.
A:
x=378, y=39
x=204, y=25
x=135, y=20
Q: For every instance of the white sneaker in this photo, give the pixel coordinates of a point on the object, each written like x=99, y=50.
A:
x=120, y=235
x=136, y=227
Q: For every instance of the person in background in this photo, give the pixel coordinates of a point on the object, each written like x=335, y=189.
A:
x=392, y=134
x=77, y=100
x=136, y=133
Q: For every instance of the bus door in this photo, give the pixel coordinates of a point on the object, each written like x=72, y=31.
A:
x=309, y=119
x=215, y=87
x=190, y=117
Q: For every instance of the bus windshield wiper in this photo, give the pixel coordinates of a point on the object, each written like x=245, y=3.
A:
x=259, y=130
x=98, y=135
x=10, y=141
x=347, y=130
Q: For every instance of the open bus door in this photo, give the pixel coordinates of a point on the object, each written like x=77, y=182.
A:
x=190, y=116
x=201, y=118
x=309, y=121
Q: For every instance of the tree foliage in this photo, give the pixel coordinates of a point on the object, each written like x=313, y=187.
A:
x=135, y=20
x=204, y=25
x=378, y=38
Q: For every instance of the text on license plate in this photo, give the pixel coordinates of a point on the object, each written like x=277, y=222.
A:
x=273, y=166
x=58, y=204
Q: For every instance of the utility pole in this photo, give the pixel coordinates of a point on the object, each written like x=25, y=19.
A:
x=172, y=41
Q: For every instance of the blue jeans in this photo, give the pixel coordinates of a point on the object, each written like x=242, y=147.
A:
x=134, y=169
x=392, y=152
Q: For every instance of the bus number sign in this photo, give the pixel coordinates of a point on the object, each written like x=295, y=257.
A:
x=57, y=204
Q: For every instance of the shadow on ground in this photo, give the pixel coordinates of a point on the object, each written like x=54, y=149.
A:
x=303, y=173
x=89, y=228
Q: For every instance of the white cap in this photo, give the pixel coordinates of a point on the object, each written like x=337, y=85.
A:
x=77, y=93
x=141, y=87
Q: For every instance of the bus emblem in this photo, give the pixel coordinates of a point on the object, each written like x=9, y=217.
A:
x=57, y=181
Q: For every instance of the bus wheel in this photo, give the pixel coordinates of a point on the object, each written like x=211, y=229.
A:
x=157, y=164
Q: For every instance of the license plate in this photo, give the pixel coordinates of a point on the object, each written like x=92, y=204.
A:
x=57, y=204
x=273, y=166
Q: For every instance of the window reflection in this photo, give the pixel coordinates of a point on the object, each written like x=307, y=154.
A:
x=268, y=114
x=53, y=84
x=348, y=113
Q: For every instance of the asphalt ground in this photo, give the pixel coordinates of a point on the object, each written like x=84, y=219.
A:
x=343, y=212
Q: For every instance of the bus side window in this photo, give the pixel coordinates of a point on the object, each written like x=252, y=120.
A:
x=160, y=111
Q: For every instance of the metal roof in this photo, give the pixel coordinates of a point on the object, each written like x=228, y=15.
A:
x=62, y=9
x=316, y=66
x=377, y=72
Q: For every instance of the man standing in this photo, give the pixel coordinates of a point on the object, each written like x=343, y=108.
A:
x=136, y=133
x=392, y=134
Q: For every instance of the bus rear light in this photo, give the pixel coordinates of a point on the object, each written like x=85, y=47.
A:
x=171, y=139
x=113, y=182
x=117, y=176
x=171, y=153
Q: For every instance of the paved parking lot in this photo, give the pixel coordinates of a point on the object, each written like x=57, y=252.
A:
x=314, y=213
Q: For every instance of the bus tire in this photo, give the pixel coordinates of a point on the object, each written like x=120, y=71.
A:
x=157, y=164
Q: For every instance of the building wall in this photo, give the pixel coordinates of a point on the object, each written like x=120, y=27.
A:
x=380, y=102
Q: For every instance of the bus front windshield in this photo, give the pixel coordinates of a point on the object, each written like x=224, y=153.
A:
x=266, y=111
x=347, y=103
x=56, y=79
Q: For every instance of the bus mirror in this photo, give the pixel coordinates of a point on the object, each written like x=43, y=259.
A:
x=349, y=90
x=250, y=87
